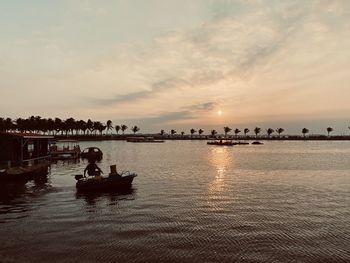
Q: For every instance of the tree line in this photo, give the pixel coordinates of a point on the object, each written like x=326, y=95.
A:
x=58, y=126
x=71, y=126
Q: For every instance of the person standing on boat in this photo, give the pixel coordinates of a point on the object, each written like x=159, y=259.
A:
x=92, y=169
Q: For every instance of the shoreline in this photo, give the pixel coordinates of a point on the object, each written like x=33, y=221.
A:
x=115, y=137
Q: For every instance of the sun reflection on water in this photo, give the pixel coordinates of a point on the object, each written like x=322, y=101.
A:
x=221, y=159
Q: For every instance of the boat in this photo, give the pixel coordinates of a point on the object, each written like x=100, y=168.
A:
x=23, y=156
x=221, y=142
x=114, y=181
x=143, y=140
x=65, y=150
x=92, y=153
x=257, y=143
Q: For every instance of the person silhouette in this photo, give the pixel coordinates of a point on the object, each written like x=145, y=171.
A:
x=92, y=169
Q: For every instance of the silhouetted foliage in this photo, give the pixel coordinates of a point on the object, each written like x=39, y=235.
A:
x=213, y=132
x=109, y=125
x=200, y=131
x=269, y=131
x=257, y=130
x=124, y=128
x=246, y=131
x=227, y=130
x=329, y=130
x=237, y=131
x=172, y=132
x=279, y=131
x=135, y=129
x=192, y=131
x=304, y=131
x=117, y=128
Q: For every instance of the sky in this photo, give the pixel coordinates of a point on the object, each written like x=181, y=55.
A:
x=173, y=64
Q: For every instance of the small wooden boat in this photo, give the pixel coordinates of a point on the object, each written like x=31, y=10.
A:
x=99, y=183
x=92, y=153
x=222, y=142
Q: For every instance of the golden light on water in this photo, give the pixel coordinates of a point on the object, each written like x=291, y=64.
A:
x=221, y=160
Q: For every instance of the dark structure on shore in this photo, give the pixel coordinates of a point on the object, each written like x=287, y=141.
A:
x=23, y=155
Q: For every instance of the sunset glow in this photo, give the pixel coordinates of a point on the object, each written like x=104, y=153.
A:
x=262, y=61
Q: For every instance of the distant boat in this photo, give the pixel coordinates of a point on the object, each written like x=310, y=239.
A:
x=257, y=143
x=67, y=149
x=143, y=140
x=222, y=142
x=23, y=156
x=92, y=153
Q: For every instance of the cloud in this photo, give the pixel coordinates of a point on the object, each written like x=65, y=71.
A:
x=249, y=58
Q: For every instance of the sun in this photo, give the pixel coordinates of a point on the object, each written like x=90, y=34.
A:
x=219, y=112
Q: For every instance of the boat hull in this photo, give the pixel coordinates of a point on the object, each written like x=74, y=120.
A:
x=25, y=173
x=109, y=183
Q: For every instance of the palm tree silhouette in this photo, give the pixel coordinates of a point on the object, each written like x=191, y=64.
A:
x=135, y=129
x=304, y=131
x=200, y=131
x=192, y=131
x=269, y=131
x=90, y=125
x=236, y=131
x=329, y=130
x=124, y=128
x=182, y=133
x=213, y=133
x=257, y=130
x=279, y=131
x=246, y=130
x=162, y=132
x=109, y=125
x=172, y=132
x=227, y=130
x=117, y=128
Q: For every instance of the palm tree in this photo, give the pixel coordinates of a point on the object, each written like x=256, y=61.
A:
x=329, y=130
x=90, y=126
x=227, y=130
x=269, y=131
x=213, y=133
x=117, y=128
x=172, y=132
x=257, y=130
x=162, y=132
x=279, y=131
x=135, y=129
x=304, y=131
x=109, y=125
x=98, y=126
x=182, y=133
x=200, y=131
x=246, y=130
x=236, y=131
x=124, y=128
x=8, y=124
x=192, y=131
